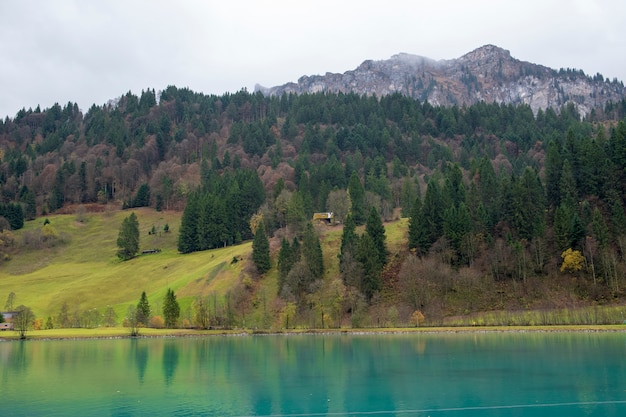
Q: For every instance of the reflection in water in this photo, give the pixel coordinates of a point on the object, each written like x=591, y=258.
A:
x=317, y=375
x=139, y=353
x=14, y=361
x=170, y=360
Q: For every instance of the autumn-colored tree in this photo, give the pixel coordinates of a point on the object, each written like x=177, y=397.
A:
x=573, y=261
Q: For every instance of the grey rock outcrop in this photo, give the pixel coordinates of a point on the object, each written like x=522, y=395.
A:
x=488, y=74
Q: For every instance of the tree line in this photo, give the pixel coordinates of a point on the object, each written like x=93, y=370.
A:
x=59, y=155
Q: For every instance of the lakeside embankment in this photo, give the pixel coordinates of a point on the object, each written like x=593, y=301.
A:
x=123, y=333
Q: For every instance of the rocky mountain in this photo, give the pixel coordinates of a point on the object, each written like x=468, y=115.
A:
x=488, y=74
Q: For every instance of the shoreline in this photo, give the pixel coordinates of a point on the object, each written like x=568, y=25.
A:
x=149, y=333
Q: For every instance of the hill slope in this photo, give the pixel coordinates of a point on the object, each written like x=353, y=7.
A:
x=85, y=273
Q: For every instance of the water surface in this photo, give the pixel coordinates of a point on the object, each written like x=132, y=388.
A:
x=488, y=374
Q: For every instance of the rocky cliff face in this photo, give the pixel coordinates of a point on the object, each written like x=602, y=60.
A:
x=487, y=74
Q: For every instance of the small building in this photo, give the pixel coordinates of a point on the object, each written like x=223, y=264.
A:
x=6, y=326
x=9, y=315
x=327, y=217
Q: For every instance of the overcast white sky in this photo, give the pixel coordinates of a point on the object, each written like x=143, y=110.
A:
x=90, y=51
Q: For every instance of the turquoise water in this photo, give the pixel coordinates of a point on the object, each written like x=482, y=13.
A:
x=489, y=374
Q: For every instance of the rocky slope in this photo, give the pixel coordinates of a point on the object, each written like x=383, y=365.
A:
x=487, y=74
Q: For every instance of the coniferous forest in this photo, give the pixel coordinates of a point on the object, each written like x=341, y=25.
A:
x=504, y=207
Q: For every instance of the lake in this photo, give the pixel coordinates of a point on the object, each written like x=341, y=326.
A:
x=482, y=374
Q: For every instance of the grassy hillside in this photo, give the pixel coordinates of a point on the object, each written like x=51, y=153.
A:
x=85, y=272
x=81, y=268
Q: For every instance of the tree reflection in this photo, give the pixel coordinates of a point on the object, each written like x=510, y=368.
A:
x=139, y=354
x=170, y=360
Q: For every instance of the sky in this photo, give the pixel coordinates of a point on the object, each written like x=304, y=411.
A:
x=91, y=51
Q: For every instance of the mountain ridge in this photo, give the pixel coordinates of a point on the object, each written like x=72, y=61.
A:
x=488, y=73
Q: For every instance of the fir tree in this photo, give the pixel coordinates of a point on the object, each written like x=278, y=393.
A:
x=312, y=252
x=414, y=223
x=367, y=255
x=456, y=225
x=142, y=198
x=349, y=241
x=376, y=230
x=143, y=309
x=430, y=222
x=261, y=250
x=171, y=309
x=128, y=238
x=284, y=263
x=357, y=199
x=600, y=229
x=188, y=234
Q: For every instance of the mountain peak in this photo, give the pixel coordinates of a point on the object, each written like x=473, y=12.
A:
x=488, y=73
x=487, y=50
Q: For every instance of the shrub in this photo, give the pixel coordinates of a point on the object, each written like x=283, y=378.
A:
x=157, y=322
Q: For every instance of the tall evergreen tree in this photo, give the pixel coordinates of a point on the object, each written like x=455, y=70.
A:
x=454, y=188
x=553, y=166
x=600, y=230
x=312, y=252
x=349, y=240
x=568, y=193
x=128, y=238
x=357, y=199
x=368, y=256
x=408, y=193
x=261, y=250
x=285, y=262
x=414, y=223
x=488, y=193
x=142, y=198
x=430, y=225
x=457, y=223
x=14, y=214
x=188, y=234
x=376, y=230
x=171, y=309
x=30, y=203
x=562, y=227
x=143, y=309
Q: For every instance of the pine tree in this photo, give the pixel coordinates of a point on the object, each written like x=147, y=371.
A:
x=376, y=230
x=312, y=252
x=143, y=309
x=284, y=263
x=261, y=250
x=414, y=230
x=349, y=241
x=357, y=199
x=600, y=230
x=188, y=234
x=408, y=193
x=562, y=228
x=142, y=198
x=430, y=224
x=128, y=238
x=457, y=223
x=367, y=255
x=553, y=167
x=568, y=193
x=171, y=309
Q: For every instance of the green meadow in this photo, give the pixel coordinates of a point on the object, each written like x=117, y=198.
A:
x=81, y=267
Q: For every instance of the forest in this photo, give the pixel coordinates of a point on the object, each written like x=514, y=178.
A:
x=505, y=207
